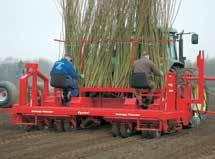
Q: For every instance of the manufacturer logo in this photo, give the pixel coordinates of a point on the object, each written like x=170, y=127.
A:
x=127, y=114
x=83, y=113
x=42, y=111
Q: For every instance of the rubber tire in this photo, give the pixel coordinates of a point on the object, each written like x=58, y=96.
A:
x=154, y=134
x=144, y=134
x=68, y=125
x=115, y=130
x=51, y=125
x=124, y=131
x=29, y=128
x=41, y=126
x=12, y=94
x=59, y=125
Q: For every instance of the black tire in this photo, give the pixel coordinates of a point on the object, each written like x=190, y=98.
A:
x=125, y=131
x=51, y=125
x=41, y=125
x=144, y=134
x=8, y=94
x=115, y=130
x=68, y=126
x=154, y=134
x=29, y=128
x=59, y=125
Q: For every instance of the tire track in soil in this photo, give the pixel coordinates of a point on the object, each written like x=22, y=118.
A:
x=46, y=150
x=201, y=147
x=20, y=137
x=26, y=134
x=188, y=143
x=40, y=149
x=157, y=148
x=120, y=152
x=141, y=148
x=61, y=141
x=6, y=133
x=11, y=136
x=84, y=152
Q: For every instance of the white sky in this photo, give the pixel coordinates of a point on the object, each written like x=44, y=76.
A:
x=28, y=27
x=197, y=16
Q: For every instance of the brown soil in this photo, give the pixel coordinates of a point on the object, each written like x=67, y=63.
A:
x=99, y=144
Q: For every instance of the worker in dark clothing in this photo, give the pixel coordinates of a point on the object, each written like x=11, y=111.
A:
x=63, y=73
x=145, y=65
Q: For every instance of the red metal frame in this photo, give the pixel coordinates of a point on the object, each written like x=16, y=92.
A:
x=169, y=104
x=32, y=71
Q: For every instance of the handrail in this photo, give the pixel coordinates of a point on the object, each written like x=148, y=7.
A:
x=32, y=71
x=200, y=78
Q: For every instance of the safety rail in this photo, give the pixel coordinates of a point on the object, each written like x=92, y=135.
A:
x=200, y=78
x=32, y=71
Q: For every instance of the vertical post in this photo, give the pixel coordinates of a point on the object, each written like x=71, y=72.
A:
x=200, y=62
x=171, y=92
x=34, y=90
x=32, y=70
x=22, y=90
x=81, y=54
x=181, y=47
x=46, y=89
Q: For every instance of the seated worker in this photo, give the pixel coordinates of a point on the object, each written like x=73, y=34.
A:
x=62, y=75
x=145, y=65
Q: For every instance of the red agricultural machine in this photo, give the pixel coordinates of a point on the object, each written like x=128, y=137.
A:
x=171, y=111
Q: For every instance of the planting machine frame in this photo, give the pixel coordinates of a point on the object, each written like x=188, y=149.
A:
x=170, y=112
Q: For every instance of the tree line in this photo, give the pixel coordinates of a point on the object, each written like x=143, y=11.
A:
x=12, y=69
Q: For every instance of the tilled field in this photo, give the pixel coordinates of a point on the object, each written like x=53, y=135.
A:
x=99, y=144
x=190, y=143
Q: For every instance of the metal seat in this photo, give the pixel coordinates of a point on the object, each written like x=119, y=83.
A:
x=59, y=81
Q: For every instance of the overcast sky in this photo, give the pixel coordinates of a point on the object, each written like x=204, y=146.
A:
x=197, y=16
x=28, y=27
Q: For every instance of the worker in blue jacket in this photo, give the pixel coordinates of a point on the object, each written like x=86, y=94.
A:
x=63, y=73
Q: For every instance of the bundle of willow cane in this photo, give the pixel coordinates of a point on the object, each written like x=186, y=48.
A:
x=108, y=26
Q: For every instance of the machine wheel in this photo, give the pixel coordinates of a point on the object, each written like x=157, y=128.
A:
x=29, y=128
x=115, y=130
x=125, y=130
x=8, y=94
x=154, y=134
x=68, y=126
x=59, y=125
x=41, y=126
x=51, y=125
x=144, y=134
